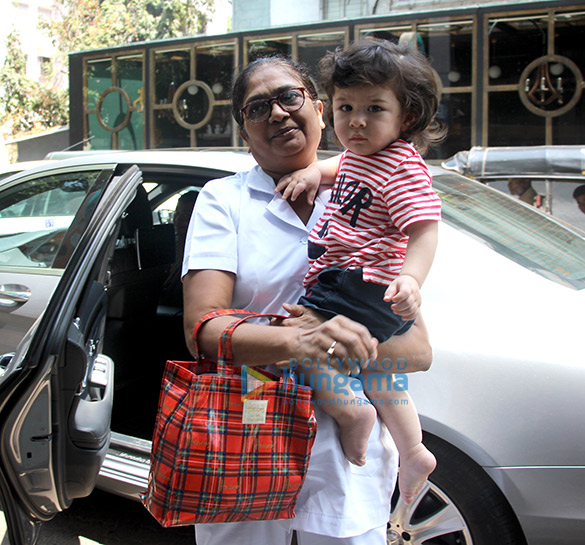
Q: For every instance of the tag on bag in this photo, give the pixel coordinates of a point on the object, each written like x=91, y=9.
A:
x=254, y=411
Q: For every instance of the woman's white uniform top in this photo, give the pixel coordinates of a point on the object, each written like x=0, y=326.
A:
x=240, y=225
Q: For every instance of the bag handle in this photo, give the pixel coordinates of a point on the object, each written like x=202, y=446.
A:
x=225, y=355
x=209, y=316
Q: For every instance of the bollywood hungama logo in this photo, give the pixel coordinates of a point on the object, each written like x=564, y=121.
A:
x=318, y=375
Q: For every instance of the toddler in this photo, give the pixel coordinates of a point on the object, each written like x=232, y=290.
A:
x=372, y=249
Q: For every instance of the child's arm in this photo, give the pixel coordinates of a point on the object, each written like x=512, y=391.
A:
x=404, y=292
x=308, y=179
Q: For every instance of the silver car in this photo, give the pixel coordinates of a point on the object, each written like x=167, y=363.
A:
x=86, y=337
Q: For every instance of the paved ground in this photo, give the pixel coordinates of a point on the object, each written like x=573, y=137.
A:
x=104, y=519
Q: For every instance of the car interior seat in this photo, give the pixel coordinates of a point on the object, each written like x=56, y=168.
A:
x=140, y=263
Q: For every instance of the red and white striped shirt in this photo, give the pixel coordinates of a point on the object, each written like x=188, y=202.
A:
x=374, y=198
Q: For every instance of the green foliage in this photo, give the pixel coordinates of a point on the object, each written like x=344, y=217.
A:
x=93, y=24
x=81, y=25
x=26, y=105
x=51, y=106
x=16, y=87
x=175, y=18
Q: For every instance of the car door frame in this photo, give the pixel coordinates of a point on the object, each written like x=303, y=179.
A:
x=30, y=387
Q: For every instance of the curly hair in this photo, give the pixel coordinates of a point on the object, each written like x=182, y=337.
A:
x=400, y=67
x=240, y=85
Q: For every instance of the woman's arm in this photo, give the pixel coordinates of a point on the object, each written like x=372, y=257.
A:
x=208, y=290
x=413, y=348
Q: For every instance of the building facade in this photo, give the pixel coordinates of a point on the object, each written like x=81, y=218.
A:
x=24, y=16
x=510, y=74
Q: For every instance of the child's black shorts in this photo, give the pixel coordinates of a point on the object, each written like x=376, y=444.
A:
x=339, y=291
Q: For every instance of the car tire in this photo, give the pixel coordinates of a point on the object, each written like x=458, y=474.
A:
x=460, y=505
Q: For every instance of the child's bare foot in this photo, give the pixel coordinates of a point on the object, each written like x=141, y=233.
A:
x=354, y=432
x=415, y=467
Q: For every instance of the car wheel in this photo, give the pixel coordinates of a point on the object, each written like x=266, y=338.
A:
x=460, y=505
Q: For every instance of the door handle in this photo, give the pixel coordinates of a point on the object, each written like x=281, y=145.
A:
x=13, y=295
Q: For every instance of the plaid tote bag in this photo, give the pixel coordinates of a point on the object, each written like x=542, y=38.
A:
x=230, y=444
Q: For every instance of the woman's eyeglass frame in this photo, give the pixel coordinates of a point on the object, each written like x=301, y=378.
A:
x=270, y=101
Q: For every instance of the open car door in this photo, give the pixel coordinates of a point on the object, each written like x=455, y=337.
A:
x=56, y=392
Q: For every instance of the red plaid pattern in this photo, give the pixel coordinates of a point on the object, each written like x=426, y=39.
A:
x=208, y=466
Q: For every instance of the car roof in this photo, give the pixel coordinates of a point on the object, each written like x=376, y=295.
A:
x=554, y=163
x=14, y=168
x=220, y=159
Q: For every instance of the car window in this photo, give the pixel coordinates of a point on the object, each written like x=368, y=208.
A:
x=35, y=215
x=519, y=232
x=165, y=212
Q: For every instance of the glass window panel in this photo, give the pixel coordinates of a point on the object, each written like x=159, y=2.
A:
x=114, y=109
x=269, y=46
x=99, y=78
x=193, y=104
x=449, y=45
x=218, y=132
x=513, y=45
x=171, y=68
x=168, y=133
x=569, y=128
x=129, y=77
x=391, y=34
x=511, y=124
x=100, y=138
x=131, y=137
x=570, y=37
x=215, y=66
x=549, y=86
x=455, y=114
x=313, y=47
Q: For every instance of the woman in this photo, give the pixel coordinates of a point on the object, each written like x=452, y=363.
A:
x=247, y=248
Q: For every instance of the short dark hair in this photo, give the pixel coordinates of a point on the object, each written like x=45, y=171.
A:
x=404, y=69
x=579, y=190
x=240, y=86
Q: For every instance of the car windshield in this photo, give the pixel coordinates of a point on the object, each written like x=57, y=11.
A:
x=515, y=230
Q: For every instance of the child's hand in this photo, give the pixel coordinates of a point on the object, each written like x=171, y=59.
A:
x=404, y=293
x=304, y=180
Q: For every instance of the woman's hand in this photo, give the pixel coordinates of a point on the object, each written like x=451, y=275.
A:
x=340, y=342
x=301, y=317
x=339, y=339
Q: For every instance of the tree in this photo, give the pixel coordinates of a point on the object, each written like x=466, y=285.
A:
x=16, y=86
x=180, y=18
x=91, y=24
x=88, y=24
x=25, y=104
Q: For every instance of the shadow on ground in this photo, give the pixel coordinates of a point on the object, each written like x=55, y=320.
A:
x=105, y=519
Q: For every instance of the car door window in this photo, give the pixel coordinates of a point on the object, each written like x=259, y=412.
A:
x=35, y=215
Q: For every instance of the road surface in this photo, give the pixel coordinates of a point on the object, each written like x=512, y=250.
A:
x=104, y=519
